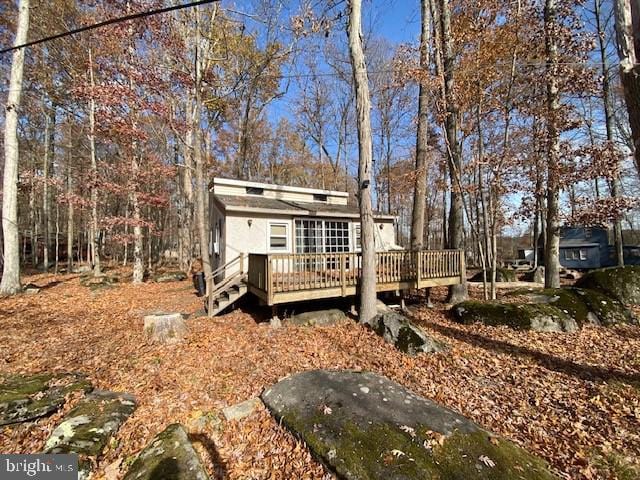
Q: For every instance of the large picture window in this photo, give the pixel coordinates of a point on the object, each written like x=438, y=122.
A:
x=322, y=236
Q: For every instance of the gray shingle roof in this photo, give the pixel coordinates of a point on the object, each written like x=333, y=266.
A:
x=272, y=205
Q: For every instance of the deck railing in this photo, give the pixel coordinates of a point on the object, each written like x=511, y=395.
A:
x=279, y=273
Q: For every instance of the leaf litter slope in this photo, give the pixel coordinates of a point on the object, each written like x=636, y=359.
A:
x=573, y=398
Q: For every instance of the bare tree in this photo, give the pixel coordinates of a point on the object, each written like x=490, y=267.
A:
x=11, y=272
x=627, y=13
x=457, y=293
x=422, y=135
x=552, y=245
x=363, y=107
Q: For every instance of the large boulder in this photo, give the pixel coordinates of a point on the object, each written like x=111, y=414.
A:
x=502, y=275
x=539, y=317
x=364, y=426
x=400, y=332
x=27, y=397
x=584, y=306
x=536, y=275
x=174, y=276
x=169, y=456
x=318, y=317
x=88, y=427
x=620, y=283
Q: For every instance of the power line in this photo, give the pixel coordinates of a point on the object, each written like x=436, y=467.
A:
x=111, y=21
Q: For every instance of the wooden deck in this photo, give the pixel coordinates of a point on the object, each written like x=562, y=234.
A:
x=283, y=278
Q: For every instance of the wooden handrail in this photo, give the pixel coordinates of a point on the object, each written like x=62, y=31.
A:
x=288, y=272
x=225, y=266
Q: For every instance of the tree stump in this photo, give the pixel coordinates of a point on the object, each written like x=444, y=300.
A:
x=165, y=328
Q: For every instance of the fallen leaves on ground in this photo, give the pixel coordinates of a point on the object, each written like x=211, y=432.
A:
x=573, y=399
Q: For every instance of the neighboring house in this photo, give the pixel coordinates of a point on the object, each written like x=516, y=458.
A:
x=250, y=217
x=584, y=247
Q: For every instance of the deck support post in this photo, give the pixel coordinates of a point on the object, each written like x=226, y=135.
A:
x=343, y=274
x=418, y=263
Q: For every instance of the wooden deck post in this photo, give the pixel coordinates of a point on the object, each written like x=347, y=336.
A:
x=241, y=263
x=269, y=282
x=343, y=274
x=463, y=268
x=418, y=264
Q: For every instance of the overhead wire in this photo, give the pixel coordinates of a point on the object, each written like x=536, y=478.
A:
x=111, y=21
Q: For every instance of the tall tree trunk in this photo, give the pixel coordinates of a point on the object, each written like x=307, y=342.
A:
x=422, y=135
x=608, y=117
x=628, y=36
x=93, y=231
x=363, y=107
x=201, y=184
x=69, y=216
x=47, y=172
x=138, y=254
x=457, y=293
x=552, y=247
x=10, y=283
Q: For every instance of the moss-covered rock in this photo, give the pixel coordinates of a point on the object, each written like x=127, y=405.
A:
x=541, y=317
x=364, y=426
x=583, y=305
x=404, y=335
x=620, y=283
x=502, y=275
x=27, y=397
x=173, y=276
x=87, y=428
x=169, y=456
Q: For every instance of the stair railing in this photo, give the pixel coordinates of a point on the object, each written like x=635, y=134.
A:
x=227, y=281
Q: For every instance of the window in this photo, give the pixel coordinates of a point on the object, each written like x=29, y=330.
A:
x=319, y=197
x=357, y=236
x=322, y=236
x=575, y=254
x=254, y=190
x=278, y=237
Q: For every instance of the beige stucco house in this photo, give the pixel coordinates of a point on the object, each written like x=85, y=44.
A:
x=250, y=217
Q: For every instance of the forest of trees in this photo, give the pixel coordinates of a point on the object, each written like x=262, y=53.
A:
x=505, y=117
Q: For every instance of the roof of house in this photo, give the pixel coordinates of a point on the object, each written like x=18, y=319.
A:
x=573, y=243
x=287, y=207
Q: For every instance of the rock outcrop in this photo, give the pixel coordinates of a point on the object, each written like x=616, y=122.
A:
x=619, y=283
x=367, y=427
x=169, y=456
x=539, y=317
x=318, y=317
x=27, y=397
x=502, y=275
x=87, y=428
x=174, y=276
x=550, y=309
x=400, y=332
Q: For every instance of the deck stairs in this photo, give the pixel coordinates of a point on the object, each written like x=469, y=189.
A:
x=229, y=290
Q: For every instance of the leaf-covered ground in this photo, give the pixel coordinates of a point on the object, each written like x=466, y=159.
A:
x=572, y=398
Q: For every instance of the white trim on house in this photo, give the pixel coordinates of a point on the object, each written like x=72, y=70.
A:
x=278, y=188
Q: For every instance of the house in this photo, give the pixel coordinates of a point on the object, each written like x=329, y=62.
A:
x=253, y=217
x=584, y=247
x=285, y=244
